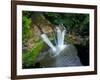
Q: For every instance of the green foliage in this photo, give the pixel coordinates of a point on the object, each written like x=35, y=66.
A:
x=26, y=32
x=76, y=24
x=73, y=22
x=29, y=57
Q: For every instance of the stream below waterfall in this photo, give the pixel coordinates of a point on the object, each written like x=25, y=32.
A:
x=67, y=57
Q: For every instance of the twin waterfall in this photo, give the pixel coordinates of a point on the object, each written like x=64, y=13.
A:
x=60, y=54
x=60, y=34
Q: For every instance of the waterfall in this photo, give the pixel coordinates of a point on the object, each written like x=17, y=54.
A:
x=48, y=42
x=63, y=35
x=59, y=55
x=59, y=37
x=56, y=49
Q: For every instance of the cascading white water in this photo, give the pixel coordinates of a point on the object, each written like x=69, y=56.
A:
x=60, y=41
x=48, y=42
x=59, y=37
x=63, y=35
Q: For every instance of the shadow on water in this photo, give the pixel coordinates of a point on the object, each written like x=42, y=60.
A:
x=83, y=54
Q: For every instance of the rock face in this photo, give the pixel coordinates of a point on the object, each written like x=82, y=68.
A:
x=39, y=20
x=68, y=57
